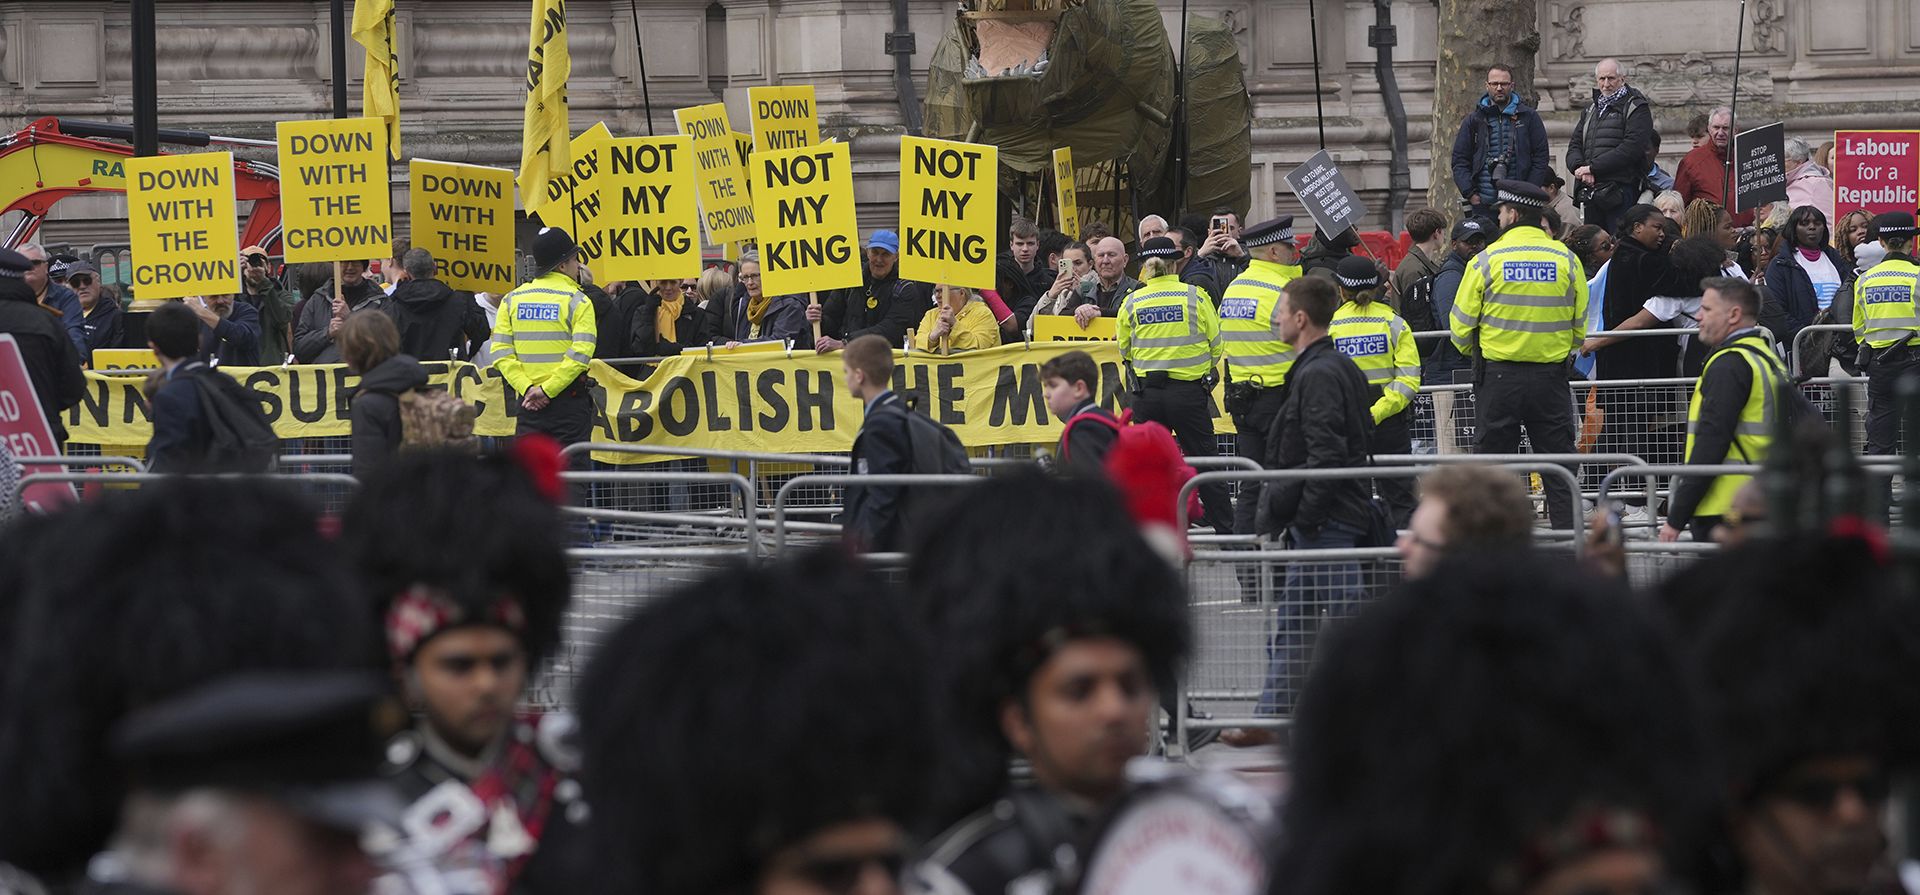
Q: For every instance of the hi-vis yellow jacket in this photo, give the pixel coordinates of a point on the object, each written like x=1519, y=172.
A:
x=1523, y=299
x=545, y=333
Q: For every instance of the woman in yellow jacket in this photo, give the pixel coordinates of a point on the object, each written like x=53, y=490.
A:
x=962, y=318
x=1381, y=344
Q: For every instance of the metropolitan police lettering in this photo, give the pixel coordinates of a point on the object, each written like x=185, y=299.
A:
x=1238, y=308
x=1529, y=271
x=1361, y=346
x=1881, y=295
x=541, y=311
x=1160, y=315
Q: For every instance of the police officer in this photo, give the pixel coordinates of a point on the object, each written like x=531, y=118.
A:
x=1169, y=336
x=545, y=333
x=1257, y=359
x=1381, y=345
x=1731, y=417
x=1520, y=314
x=1886, y=322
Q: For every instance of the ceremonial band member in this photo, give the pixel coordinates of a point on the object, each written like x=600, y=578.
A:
x=545, y=335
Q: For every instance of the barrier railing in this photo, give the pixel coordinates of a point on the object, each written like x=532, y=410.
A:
x=140, y=478
x=1800, y=344
x=748, y=509
x=781, y=499
x=81, y=460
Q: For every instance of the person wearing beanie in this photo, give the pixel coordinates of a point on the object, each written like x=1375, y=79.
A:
x=1366, y=329
x=52, y=362
x=544, y=335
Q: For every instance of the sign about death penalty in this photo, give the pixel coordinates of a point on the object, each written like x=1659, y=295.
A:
x=783, y=117
x=648, y=209
x=803, y=204
x=181, y=223
x=463, y=214
x=334, y=197
x=1876, y=170
x=1066, y=193
x=725, y=209
x=947, y=212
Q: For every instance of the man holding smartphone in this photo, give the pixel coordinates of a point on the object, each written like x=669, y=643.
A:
x=1222, y=246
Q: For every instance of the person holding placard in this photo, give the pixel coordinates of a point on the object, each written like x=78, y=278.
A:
x=545, y=335
x=666, y=321
x=758, y=317
x=320, y=315
x=960, y=322
x=884, y=307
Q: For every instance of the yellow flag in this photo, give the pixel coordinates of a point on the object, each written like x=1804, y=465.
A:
x=543, y=146
x=380, y=86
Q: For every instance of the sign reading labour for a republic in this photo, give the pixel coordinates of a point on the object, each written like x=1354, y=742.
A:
x=334, y=196
x=725, y=209
x=947, y=212
x=1878, y=171
x=783, y=117
x=180, y=219
x=1332, y=203
x=463, y=214
x=803, y=206
x=648, y=209
x=1759, y=166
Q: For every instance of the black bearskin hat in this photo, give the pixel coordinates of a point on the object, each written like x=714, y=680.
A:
x=476, y=533
x=1807, y=647
x=1020, y=558
x=1457, y=724
x=746, y=712
x=132, y=598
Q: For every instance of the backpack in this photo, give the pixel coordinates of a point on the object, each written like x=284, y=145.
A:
x=934, y=449
x=1416, y=307
x=239, y=437
x=432, y=418
x=1797, y=409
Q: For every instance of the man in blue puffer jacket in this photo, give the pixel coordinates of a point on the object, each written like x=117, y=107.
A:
x=1501, y=138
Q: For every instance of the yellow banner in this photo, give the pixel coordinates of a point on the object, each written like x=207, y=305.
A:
x=783, y=117
x=1066, y=197
x=463, y=214
x=751, y=401
x=543, y=139
x=380, y=85
x=181, y=226
x=947, y=212
x=649, y=211
x=577, y=189
x=124, y=359
x=803, y=203
x=1063, y=328
x=334, y=197
x=725, y=209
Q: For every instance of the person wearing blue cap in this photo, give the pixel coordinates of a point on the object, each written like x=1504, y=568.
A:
x=885, y=306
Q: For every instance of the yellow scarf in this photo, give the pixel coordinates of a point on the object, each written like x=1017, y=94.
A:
x=757, y=308
x=666, y=319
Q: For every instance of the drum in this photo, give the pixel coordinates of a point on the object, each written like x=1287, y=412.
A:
x=1184, y=831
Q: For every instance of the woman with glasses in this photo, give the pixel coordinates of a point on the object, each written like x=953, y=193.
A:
x=758, y=317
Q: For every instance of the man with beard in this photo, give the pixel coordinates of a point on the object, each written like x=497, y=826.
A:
x=433, y=319
x=318, y=318
x=229, y=330
x=471, y=603
x=1055, y=647
x=273, y=300
x=886, y=306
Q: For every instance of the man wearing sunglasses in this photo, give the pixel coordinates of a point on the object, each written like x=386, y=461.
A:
x=1807, y=646
x=54, y=295
x=101, y=310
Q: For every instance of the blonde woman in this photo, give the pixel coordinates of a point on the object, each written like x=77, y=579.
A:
x=962, y=318
x=1671, y=204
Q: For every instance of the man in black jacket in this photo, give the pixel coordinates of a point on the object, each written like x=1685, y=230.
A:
x=1323, y=423
x=1501, y=139
x=873, y=519
x=886, y=306
x=53, y=364
x=432, y=318
x=1608, y=152
x=182, y=435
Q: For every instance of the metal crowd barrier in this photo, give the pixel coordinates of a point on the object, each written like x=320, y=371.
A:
x=781, y=500
x=304, y=481
x=722, y=524
x=1800, y=344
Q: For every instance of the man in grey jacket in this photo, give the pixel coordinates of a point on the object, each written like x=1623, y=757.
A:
x=320, y=314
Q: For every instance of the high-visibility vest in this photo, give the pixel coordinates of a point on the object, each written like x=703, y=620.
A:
x=1524, y=299
x=1885, y=311
x=1170, y=327
x=1381, y=345
x=1254, y=350
x=545, y=333
x=1753, y=434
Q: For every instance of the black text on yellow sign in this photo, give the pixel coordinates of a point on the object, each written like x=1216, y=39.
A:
x=334, y=198
x=947, y=212
x=180, y=219
x=649, y=211
x=574, y=197
x=783, y=117
x=725, y=209
x=803, y=205
x=463, y=214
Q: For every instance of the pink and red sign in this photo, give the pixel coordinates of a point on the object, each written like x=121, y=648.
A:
x=25, y=429
x=1878, y=171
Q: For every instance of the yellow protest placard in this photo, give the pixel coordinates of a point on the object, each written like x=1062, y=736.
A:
x=803, y=205
x=573, y=196
x=334, y=197
x=947, y=212
x=648, y=210
x=110, y=359
x=1066, y=199
x=1063, y=328
x=742, y=348
x=181, y=225
x=743, y=147
x=726, y=211
x=783, y=117
x=463, y=214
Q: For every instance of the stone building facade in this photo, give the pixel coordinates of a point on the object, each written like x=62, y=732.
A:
x=237, y=66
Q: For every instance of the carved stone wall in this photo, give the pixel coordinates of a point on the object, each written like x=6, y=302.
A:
x=237, y=66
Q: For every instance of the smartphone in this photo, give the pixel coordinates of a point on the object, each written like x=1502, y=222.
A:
x=1219, y=222
x=1066, y=267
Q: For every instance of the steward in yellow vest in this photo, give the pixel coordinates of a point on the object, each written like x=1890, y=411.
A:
x=1169, y=338
x=1886, y=320
x=1369, y=333
x=1734, y=409
x=1257, y=358
x=544, y=336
